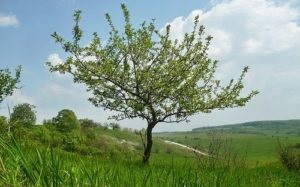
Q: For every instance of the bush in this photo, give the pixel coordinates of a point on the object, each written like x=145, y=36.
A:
x=23, y=115
x=43, y=135
x=56, y=139
x=72, y=140
x=115, y=126
x=87, y=123
x=289, y=157
x=91, y=134
x=220, y=154
x=89, y=151
x=66, y=121
x=3, y=124
x=37, y=134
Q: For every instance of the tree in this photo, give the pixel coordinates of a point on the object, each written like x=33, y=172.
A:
x=8, y=82
x=115, y=126
x=66, y=121
x=143, y=73
x=87, y=123
x=23, y=115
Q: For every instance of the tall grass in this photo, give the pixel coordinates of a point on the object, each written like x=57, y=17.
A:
x=21, y=166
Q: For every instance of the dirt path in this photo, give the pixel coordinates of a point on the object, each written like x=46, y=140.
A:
x=187, y=147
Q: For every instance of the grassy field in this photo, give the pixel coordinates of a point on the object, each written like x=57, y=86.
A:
x=244, y=159
x=49, y=167
x=257, y=141
x=258, y=149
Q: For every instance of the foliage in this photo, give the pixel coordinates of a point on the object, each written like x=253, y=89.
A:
x=115, y=126
x=143, y=73
x=259, y=147
x=90, y=133
x=279, y=127
x=66, y=121
x=140, y=77
x=39, y=133
x=109, y=159
x=221, y=153
x=23, y=115
x=88, y=123
x=3, y=124
x=51, y=167
x=71, y=140
x=289, y=156
x=8, y=82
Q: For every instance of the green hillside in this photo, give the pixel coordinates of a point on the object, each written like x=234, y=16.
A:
x=258, y=141
x=97, y=155
x=282, y=127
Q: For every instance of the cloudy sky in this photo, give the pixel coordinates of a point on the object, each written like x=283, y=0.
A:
x=262, y=34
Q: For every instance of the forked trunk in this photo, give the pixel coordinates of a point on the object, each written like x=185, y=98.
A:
x=149, y=142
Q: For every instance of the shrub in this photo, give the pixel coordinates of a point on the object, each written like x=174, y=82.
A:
x=91, y=134
x=42, y=134
x=289, y=157
x=87, y=123
x=66, y=121
x=115, y=126
x=23, y=115
x=3, y=124
x=72, y=140
x=220, y=154
x=88, y=150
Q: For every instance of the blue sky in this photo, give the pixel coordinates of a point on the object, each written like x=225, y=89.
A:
x=262, y=34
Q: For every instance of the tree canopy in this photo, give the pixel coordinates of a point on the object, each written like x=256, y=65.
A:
x=24, y=115
x=8, y=82
x=143, y=73
x=66, y=121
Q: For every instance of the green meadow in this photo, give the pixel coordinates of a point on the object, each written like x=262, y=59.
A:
x=113, y=158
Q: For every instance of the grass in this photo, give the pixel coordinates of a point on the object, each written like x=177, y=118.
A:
x=20, y=166
x=249, y=159
x=259, y=148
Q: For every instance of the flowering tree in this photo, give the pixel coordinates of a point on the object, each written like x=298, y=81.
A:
x=142, y=73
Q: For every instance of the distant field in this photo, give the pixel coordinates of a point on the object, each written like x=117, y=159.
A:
x=279, y=127
x=257, y=141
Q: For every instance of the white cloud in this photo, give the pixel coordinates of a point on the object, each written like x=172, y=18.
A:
x=262, y=34
x=54, y=59
x=8, y=20
x=64, y=94
x=252, y=45
x=223, y=39
x=18, y=97
x=181, y=25
x=254, y=26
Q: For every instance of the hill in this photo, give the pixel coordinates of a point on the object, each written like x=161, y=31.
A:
x=281, y=127
x=99, y=156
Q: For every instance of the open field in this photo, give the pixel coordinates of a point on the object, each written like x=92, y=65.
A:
x=257, y=141
x=55, y=168
x=116, y=160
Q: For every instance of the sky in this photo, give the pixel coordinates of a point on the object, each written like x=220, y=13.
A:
x=261, y=34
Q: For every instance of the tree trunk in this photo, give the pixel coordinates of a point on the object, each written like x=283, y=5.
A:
x=148, y=147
